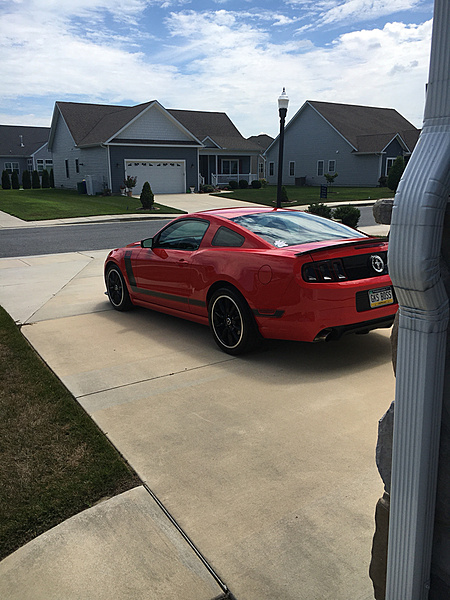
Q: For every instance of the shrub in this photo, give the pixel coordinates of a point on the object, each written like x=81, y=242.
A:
x=208, y=189
x=26, y=180
x=243, y=184
x=284, y=195
x=263, y=182
x=348, y=215
x=395, y=173
x=52, y=178
x=147, y=197
x=15, y=181
x=382, y=182
x=320, y=209
x=35, y=180
x=256, y=184
x=233, y=185
x=6, y=181
x=45, y=179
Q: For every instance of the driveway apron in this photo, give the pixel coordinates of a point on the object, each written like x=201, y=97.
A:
x=266, y=461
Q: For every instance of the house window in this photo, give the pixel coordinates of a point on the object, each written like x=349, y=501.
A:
x=10, y=167
x=331, y=166
x=292, y=169
x=40, y=165
x=77, y=165
x=261, y=170
x=320, y=168
x=229, y=167
x=389, y=163
x=271, y=168
x=66, y=162
x=30, y=164
x=49, y=165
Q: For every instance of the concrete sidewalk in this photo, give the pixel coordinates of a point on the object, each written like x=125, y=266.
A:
x=265, y=461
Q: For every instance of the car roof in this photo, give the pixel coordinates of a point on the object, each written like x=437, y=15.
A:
x=238, y=211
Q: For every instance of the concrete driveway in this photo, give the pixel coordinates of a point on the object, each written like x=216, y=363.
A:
x=266, y=461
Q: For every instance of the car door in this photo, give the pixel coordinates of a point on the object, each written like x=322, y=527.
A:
x=163, y=272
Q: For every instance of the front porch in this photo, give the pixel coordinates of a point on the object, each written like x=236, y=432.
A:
x=219, y=170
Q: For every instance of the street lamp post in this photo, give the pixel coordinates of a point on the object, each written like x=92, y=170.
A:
x=283, y=102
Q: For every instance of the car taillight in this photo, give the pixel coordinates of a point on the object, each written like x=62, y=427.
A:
x=324, y=271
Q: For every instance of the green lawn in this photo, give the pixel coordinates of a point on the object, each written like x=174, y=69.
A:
x=306, y=195
x=36, y=205
x=54, y=461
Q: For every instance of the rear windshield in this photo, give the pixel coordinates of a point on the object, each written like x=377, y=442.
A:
x=291, y=228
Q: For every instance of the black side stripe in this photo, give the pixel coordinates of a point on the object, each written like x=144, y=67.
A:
x=129, y=269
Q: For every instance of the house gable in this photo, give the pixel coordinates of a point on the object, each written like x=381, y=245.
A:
x=154, y=124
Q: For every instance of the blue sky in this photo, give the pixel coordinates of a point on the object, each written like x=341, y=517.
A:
x=233, y=56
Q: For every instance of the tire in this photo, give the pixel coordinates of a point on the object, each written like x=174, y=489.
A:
x=232, y=324
x=116, y=289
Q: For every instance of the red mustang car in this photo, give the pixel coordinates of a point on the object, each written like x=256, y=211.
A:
x=258, y=272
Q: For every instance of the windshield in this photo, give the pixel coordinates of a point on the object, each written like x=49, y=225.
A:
x=283, y=229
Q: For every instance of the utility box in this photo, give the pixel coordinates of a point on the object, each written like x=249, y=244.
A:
x=81, y=187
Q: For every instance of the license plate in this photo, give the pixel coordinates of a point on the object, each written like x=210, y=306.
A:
x=380, y=297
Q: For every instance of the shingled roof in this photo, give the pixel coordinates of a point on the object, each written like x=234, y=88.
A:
x=21, y=140
x=93, y=124
x=214, y=125
x=367, y=128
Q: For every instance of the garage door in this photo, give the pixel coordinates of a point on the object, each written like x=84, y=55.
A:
x=164, y=177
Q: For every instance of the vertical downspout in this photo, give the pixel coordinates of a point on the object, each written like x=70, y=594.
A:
x=414, y=251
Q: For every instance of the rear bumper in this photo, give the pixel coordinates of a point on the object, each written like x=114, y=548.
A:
x=313, y=313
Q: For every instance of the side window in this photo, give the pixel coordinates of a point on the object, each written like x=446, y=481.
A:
x=389, y=163
x=291, y=169
x=183, y=235
x=331, y=166
x=227, y=238
x=271, y=168
x=319, y=168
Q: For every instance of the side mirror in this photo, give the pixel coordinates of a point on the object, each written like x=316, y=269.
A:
x=148, y=243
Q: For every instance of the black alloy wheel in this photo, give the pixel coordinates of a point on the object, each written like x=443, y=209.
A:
x=117, y=290
x=232, y=324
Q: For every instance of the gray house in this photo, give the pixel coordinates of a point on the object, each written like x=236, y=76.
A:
x=172, y=149
x=360, y=143
x=24, y=148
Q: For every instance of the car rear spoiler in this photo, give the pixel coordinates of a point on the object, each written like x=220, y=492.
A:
x=361, y=243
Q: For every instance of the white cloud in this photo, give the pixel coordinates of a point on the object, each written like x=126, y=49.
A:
x=332, y=12
x=212, y=60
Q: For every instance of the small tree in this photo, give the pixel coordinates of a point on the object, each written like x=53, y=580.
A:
x=45, y=179
x=330, y=178
x=284, y=195
x=52, y=178
x=35, y=180
x=26, y=180
x=6, y=181
x=147, y=197
x=395, y=173
x=15, y=184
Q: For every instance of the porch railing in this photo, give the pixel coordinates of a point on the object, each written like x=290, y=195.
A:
x=221, y=179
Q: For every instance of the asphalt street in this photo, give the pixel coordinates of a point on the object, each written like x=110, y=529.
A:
x=35, y=241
